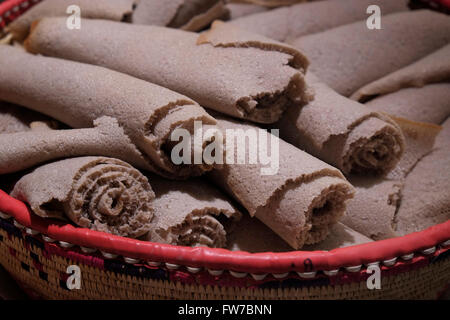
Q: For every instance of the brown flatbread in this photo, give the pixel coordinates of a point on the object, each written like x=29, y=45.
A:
x=419, y=141
x=238, y=10
x=342, y=132
x=444, y=136
x=77, y=94
x=299, y=202
x=426, y=193
x=351, y=56
x=270, y=3
x=246, y=76
x=373, y=210
x=98, y=193
x=24, y=150
x=116, y=10
x=253, y=236
x=430, y=103
x=190, y=213
x=433, y=68
x=288, y=23
x=190, y=15
x=16, y=119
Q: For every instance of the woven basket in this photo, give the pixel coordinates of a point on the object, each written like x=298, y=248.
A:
x=38, y=252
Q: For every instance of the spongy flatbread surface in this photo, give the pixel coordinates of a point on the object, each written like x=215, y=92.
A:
x=288, y=23
x=351, y=56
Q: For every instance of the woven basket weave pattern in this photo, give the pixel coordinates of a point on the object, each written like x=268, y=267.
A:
x=41, y=267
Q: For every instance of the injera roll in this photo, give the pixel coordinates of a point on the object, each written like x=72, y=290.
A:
x=430, y=103
x=190, y=15
x=98, y=193
x=253, y=236
x=77, y=94
x=238, y=10
x=351, y=56
x=433, y=68
x=236, y=73
x=343, y=132
x=288, y=23
x=24, y=150
x=426, y=193
x=117, y=10
x=270, y=3
x=299, y=202
x=373, y=209
x=190, y=213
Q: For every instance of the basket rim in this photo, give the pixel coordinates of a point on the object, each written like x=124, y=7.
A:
x=220, y=259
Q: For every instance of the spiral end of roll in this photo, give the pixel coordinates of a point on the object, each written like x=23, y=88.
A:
x=202, y=228
x=111, y=196
x=373, y=151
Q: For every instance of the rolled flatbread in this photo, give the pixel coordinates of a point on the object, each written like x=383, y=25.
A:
x=77, y=94
x=340, y=236
x=426, y=192
x=238, y=10
x=270, y=3
x=190, y=213
x=117, y=10
x=23, y=150
x=374, y=208
x=240, y=74
x=433, y=68
x=98, y=193
x=430, y=103
x=16, y=119
x=253, y=236
x=299, y=201
x=352, y=56
x=372, y=211
x=190, y=15
x=288, y=23
x=342, y=132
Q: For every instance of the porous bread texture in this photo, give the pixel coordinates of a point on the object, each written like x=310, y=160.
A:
x=342, y=132
x=116, y=10
x=351, y=56
x=299, y=202
x=288, y=23
x=98, y=193
x=242, y=75
x=78, y=94
x=191, y=213
x=433, y=68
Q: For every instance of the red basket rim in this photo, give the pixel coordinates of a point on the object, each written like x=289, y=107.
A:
x=220, y=259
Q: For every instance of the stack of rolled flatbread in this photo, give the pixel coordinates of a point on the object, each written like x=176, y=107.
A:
x=322, y=133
